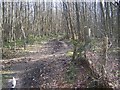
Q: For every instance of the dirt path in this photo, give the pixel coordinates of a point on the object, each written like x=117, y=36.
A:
x=48, y=66
x=44, y=67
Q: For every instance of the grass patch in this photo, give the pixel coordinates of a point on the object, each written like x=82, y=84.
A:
x=69, y=53
x=71, y=74
x=6, y=75
x=6, y=72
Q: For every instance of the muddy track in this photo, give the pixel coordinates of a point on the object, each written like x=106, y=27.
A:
x=36, y=70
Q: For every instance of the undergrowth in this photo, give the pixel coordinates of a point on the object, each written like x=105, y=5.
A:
x=71, y=73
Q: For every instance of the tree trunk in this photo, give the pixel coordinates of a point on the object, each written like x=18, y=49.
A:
x=78, y=21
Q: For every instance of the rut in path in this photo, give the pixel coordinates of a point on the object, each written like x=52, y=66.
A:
x=44, y=67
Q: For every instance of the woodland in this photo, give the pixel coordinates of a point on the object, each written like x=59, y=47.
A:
x=60, y=44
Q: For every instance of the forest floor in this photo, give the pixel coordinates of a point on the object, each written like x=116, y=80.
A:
x=50, y=67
